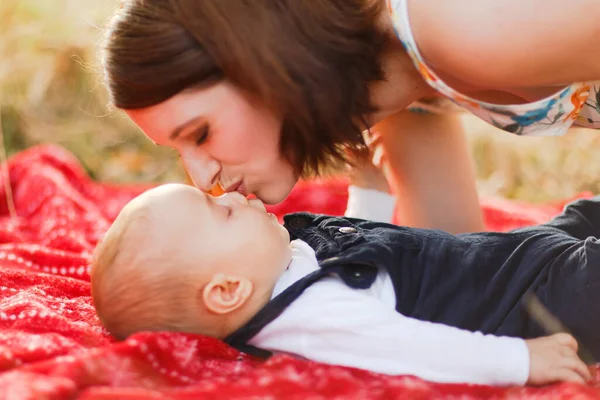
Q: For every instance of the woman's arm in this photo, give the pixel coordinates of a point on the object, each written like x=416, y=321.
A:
x=510, y=43
x=428, y=166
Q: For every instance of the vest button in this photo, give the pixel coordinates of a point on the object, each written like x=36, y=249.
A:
x=347, y=229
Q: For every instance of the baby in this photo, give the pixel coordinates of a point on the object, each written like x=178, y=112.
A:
x=353, y=292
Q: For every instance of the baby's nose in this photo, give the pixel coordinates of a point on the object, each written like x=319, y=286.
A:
x=232, y=198
x=256, y=203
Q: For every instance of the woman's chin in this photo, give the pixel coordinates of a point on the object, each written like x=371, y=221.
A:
x=275, y=195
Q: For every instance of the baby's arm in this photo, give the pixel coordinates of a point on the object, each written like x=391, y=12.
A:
x=333, y=324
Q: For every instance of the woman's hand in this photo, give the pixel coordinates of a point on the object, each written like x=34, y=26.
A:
x=364, y=173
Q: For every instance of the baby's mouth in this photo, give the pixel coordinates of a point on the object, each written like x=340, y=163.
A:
x=242, y=189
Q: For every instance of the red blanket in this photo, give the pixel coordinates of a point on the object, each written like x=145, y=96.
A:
x=52, y=345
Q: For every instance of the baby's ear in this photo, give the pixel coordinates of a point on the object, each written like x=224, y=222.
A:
x=224, y=294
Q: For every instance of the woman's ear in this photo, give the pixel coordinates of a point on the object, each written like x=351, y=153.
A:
x=224, y=294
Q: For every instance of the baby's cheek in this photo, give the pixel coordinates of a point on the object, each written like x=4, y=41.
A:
x=256, y=242
x=278, y=245
x=243, y=239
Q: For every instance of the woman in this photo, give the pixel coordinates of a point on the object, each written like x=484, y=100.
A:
x=256, y=94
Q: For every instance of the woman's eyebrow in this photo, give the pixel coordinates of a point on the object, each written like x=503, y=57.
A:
x=177, y=131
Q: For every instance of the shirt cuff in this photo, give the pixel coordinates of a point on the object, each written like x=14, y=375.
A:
x=370, y=204
x=510, y=362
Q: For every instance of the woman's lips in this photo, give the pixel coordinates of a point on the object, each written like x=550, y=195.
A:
x=241, y=188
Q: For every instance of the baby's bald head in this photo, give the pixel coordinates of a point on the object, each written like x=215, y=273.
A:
x=138, y=284
x=157, y=264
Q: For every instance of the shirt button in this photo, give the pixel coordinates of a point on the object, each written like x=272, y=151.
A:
x=347, y=229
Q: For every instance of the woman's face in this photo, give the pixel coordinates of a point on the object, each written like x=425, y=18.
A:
x=222, y=136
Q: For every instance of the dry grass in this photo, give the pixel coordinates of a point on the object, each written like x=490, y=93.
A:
x=536, y=169
x=50, y=92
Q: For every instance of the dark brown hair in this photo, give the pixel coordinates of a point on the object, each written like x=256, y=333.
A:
x=310, y=60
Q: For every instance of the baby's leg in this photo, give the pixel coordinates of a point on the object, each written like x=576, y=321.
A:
x=571, y=292
x=580, y=219
x=569, y=286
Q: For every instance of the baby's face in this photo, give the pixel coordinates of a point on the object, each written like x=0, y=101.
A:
x=228, y=232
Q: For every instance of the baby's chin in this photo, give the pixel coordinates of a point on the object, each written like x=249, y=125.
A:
x=284, y=232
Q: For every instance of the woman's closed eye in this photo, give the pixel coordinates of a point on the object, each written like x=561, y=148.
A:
x=199, y=135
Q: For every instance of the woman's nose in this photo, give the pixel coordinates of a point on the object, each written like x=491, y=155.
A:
x=203, y=171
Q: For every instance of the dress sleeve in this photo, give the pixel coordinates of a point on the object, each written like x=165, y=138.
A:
x=589, y=117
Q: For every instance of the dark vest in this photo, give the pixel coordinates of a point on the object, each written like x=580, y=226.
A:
x=472, y=281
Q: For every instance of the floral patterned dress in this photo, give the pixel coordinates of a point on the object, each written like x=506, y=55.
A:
x=578, y=103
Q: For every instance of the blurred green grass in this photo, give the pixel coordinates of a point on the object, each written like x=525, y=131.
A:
x=50, y=91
